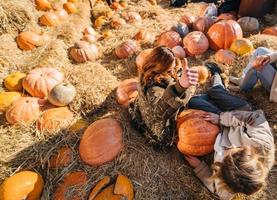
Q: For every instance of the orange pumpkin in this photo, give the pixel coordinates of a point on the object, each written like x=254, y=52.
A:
x=188, y=20
x=73, y=183
x=22, y=185
x=144, y=36
x=126, y=49
x=195, y=43
x=209, y=10
x=203, y=24
x=249, y=24
x=223, y=33
x=203, y=73
x=49, y=19
x=83, y=51
x=127, y=91
x=43, y=5
x=101, y=142
x=169, y=39
x=100, y=21
x=132, y=17
x=40, y=81
x=61, y=14
x=226, y=16
x=108, y=194
x=124, y=187
x=54, y=119
x=196, y=135
x=28, y=40
x=99, y=186
x=270, y=31
x=117, y=22
x=23, y=110
x=63, y=158
x=140, y=59
x=225, y=56
x=106, y=34
x=70, y=7
x=179, y=52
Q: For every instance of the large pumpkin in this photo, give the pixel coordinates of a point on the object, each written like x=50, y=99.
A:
x=196, y=135
x=54, y=119
x=126, y=49
x=23, y=110
x=62, y=94
x=83, y=51
x=225, y=56
x=188, y=20
x=141, y=58
x=13, y=81
x=241, y=46
x=223, y=33
x=169, y=39
x=270, y=31
x=7, y=98
x=22, y=185
x=101, y=142
x=196, y=43
x=40, y=81
x=249, y=24
x=127, y=91
x=203, y=24
x=29, y=40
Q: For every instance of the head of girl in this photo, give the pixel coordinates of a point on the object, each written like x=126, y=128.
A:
x=160, y=64
x=242, y=170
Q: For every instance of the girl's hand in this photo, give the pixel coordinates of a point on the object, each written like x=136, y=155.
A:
x=211, y=117
x=260, y=62
x=193, y=161
x=189, y=76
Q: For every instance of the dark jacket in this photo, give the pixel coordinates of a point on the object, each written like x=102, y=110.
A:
x=154, y=111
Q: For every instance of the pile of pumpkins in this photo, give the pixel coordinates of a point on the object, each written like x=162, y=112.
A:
x=47, y=102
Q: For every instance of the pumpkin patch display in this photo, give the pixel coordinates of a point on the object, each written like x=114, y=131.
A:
x=13, y=82
x=40, y=81
x=270, y=31
x=62, y=94
x=181, y=28
x=29, y=40
x=195, y=43
x=196, y=135
x=188, y=19
x=43, y=5
x=22, y=185
x=140, y=59
x=249, y=24
x=203, y=24
x=222, y=34
x=241, y=46
x=118, y=22
x=61, y=14
x=7, y=98
x=101, y=142
x=127, y=91
x=144, y=37
x=49, y=19
x=169, y=39
x=73, y=183
x=63, y=158
x=126, y=49
x=225, y=56
x=179, y=52
x=70, y=8
x=132, y=17
x=203, y=73
x=24, y=110
x=54, y=119
x=83, y=51
x=209, y=10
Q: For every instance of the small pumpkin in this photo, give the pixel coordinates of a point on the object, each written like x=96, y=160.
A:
x=196, y=135
x=132, y=17
x=124, y=187
x=40, y=81
x=83, y=51
x=106, y=34
x=101, y=142
x=195, y=43
x=270, y=31
x=144, y=36
x=7, y=98
x=62, y=94
x=89, y=31
x=127, y=91
x=203, y=24
x=100, y=21
x=179, y=52
x=73, y=184
x=107, y=193
x=13, y=82
x=49, y=19
x=141, y=58
x=241, y=46
x=203, y=73
x=249, y=24
x=126, y=49
x=226, y=16
x=43, y=5
x=209, y=10
x=188, y=20
x=62, y=158
x=29, y=40
x=22, y=185
x=70, y=8
x=61, y=14
x=89, y=38
x=169, y=39
x=118, y=22
x=181, y=28
x=98, y=187
x=78, y=125
x=223, y=33
x=225, y=56
x=54, y=119
x=23, y=110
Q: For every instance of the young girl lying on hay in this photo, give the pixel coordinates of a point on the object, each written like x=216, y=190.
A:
x=244, y=150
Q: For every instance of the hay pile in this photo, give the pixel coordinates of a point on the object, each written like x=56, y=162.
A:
x=155, y=174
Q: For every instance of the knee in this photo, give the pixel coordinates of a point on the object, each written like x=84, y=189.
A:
x=195, y=101
x=215, y=90
x=261, y=51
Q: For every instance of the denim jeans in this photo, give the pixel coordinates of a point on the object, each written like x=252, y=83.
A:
x=217, y=99
x=251, y=76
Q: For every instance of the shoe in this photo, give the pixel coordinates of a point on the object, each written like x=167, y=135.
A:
x=213, y=68
x=235, y=80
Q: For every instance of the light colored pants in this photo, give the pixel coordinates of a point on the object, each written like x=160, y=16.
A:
x=251, y=76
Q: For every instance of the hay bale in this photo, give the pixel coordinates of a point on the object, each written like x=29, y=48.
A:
x=261, y=40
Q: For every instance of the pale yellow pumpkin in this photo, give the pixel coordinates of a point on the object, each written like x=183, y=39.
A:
x=62, y=94
x=13, y=81
x=7, y=98
x=241, y=46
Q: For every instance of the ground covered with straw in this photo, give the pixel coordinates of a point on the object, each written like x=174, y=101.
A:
x=155, y=174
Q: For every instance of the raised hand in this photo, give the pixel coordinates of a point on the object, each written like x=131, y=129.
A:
x=189, y=76
x=260, y=62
